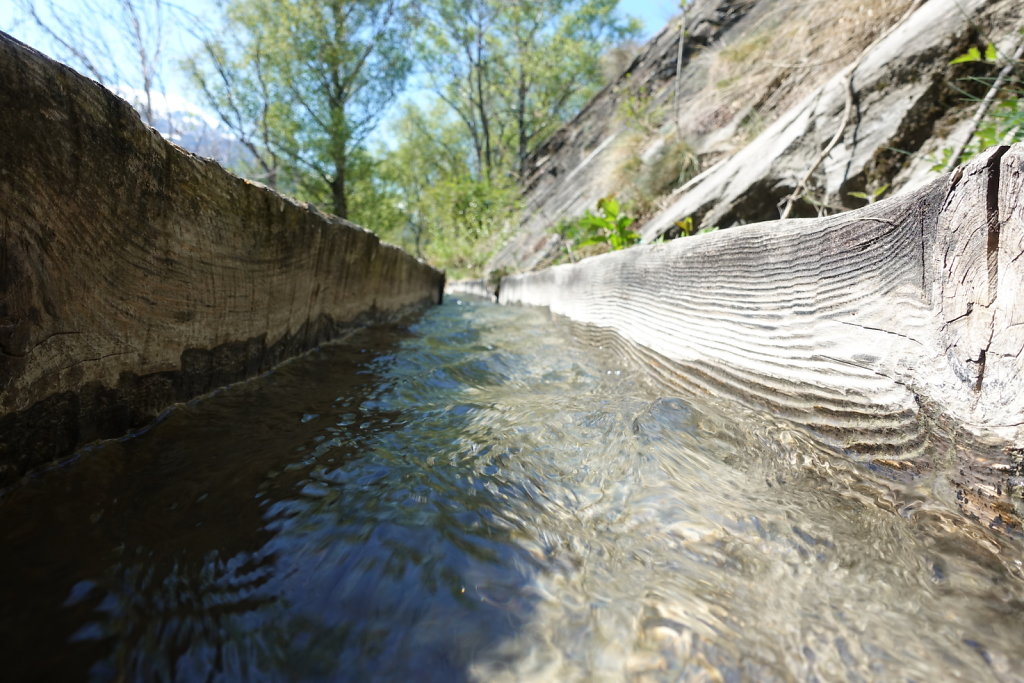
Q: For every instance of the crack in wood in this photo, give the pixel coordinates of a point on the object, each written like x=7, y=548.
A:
x=992, y=168
x=35, y=346
x=970, y=309
x=90, y=360
x=981, y=370
x=992, y=219
x=891, y=332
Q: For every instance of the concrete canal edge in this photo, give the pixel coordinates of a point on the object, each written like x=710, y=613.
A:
x=859, y=325
x=134, y=275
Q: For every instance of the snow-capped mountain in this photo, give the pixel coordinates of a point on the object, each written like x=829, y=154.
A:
x=189, y=127
x=195, y=134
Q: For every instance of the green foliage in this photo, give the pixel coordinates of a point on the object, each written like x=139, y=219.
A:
x=468, y=219
x=304, y=83
x=608, y=227
x=504, y=76
x=687, y=228
x=512, y=72
x=436, y=205
x=1004, y=121
x=870, y=197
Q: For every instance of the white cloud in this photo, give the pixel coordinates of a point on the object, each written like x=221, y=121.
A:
x=166, y=103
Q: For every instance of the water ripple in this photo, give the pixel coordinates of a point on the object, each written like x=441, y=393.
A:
x=489, y=496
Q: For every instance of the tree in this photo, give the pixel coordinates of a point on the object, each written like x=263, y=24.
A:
x=514, y=71
x=554, y=49
x=442, y=211
x=231, y=80
x=504, y=75
x=86, y=40
x=456, y=49
x=306, y=82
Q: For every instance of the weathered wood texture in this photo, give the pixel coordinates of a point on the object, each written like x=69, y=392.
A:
x=134, y=275
x=847, y=324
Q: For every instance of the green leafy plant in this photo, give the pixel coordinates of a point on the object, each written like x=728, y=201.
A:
x=1000, y=115
x=609, y=226
x=612, y=229
x=870, y=197
x=687, y=228
x=974, y=55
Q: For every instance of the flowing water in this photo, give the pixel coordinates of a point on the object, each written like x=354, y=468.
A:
x=485, y=497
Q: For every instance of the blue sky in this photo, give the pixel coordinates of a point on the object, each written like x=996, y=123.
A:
x=653, y=13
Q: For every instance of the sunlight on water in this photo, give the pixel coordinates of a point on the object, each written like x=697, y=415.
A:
x=484, y=497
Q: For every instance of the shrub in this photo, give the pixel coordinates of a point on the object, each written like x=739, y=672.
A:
x=1001, y=111
x=609, y=226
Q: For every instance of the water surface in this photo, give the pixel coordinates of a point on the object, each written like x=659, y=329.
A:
x=483, y=496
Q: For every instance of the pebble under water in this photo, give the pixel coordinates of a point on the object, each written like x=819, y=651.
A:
x=483, y=496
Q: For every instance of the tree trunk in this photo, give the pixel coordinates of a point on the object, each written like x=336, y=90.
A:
x=485, y=124
x=521, y=123
x=339, y=196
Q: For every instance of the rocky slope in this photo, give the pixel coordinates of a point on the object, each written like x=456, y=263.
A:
x=726, y=125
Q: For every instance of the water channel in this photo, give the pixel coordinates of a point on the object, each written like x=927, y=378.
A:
x=485, y=496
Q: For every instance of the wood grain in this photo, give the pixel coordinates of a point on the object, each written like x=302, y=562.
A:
x=855, y=325
x=134, y=275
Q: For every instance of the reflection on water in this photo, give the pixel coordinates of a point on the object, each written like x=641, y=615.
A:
x=483, y=497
